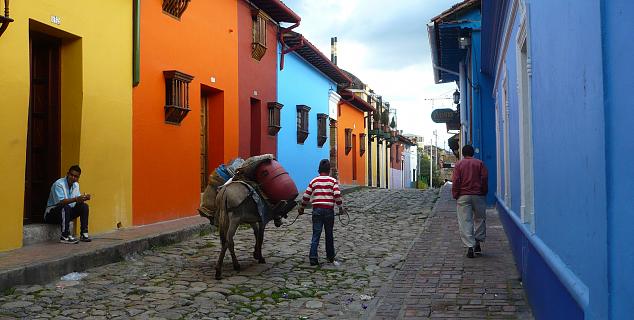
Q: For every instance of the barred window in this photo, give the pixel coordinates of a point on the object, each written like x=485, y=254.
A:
x=302, y=123
x=274, y=117
x=175, y=8
x=348, y=140
x=258, y=45
x=362, y=143
x=176, y=96
x=322, y=134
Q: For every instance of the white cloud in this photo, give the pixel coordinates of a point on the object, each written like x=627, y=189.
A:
x=385, y=44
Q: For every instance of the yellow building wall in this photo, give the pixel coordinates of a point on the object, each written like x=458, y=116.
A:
x=96, y=105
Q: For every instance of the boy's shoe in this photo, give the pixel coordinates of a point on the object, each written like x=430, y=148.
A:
x=477, y=249
x=68, y=239
x=331, y=260
x=314, y=262
x=84, y=237
x=470, y=253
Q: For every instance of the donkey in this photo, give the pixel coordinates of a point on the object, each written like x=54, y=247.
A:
x=235, y=206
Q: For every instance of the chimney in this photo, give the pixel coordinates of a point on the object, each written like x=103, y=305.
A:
x=333, y=50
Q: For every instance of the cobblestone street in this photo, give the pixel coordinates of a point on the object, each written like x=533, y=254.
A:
x=177, y=281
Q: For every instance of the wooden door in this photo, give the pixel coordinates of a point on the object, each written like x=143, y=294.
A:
x=256, y=127
x=354, y=157
x=43, y=135
x=204, y=153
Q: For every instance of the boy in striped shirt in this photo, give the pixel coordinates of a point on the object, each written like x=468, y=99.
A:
x=323, y=193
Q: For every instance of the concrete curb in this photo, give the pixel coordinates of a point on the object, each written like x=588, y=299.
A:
x=46, y=271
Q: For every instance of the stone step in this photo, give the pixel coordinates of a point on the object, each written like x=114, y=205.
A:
x=41, y=232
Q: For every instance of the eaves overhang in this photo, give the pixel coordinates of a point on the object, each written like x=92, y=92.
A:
x=445, y=31
x=316, y=58
x=277, y=10
x=355, y=101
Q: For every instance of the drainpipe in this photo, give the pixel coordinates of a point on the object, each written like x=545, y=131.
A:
x=463, y=105
x=136, y=43
x=285, y=51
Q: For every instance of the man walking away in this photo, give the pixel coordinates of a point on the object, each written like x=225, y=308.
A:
x=470, y=186
x=323, y=193
x=65, y=203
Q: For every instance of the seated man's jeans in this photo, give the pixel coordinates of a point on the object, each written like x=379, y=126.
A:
x=65, y=214
x=323, y=218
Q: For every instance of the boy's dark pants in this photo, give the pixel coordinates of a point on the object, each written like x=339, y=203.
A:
x=322, y=218
x=65, y=214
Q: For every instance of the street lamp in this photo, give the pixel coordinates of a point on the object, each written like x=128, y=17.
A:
x=456, y=97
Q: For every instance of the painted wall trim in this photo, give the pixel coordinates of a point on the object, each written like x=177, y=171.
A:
x=508, y=26
x=577, y=289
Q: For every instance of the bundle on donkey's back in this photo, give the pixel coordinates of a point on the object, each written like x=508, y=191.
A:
x=251, y=192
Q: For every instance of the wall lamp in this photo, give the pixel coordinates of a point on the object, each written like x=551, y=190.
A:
x=5, y=20
x=456, y=97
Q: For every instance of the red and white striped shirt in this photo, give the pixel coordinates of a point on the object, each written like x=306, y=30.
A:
x=325, y=193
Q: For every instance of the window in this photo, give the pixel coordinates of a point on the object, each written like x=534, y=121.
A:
x=302, y=123
x=274, y=117
x=348, y=140
x=258, y=45
x=176, y=96
x=505, y=120
x=527, y=210
x=175, y=8
x=322, y=134
x=362, y=143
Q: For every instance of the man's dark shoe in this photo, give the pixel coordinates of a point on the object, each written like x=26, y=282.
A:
x=470, y=253
x=314, y=262
x=68, y=239
x=331, y=260
x=84, y=237
x=477, y=249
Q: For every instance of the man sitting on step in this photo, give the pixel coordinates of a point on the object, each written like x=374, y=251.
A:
x=65, y=203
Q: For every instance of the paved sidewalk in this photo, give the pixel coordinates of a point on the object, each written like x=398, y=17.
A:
x=438, y=281
x=43, y=262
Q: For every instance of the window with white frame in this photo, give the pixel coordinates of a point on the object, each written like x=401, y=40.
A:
x=525, y=120
x=498, y=149
x=505, y=117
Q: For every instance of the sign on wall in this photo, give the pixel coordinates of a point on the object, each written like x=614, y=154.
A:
x=444, y=115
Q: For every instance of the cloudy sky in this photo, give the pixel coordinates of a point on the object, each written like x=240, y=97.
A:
x=385, y=44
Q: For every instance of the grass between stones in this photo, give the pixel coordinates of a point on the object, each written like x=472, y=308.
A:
x=8, y=291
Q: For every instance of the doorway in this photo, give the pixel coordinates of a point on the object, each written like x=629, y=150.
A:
x=204, y=139
x=256, y=127
x=354, y=158
x=334, y=170
x=43, y=134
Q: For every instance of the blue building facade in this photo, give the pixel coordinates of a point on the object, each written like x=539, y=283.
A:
x=455, y=39
x=559, y=74
x=306, y=78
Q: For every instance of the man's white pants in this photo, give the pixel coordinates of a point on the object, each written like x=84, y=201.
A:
x=472, y=219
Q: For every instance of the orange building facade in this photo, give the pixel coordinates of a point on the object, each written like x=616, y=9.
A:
x=352, y=142
x=185, y=104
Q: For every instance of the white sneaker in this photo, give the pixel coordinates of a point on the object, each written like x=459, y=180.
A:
x=68, y=240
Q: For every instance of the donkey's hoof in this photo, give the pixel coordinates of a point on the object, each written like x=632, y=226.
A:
x=218, y=275
x=261, y=261
x=236, y=267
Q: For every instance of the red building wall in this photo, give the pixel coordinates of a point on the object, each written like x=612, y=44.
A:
x=257, y=83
